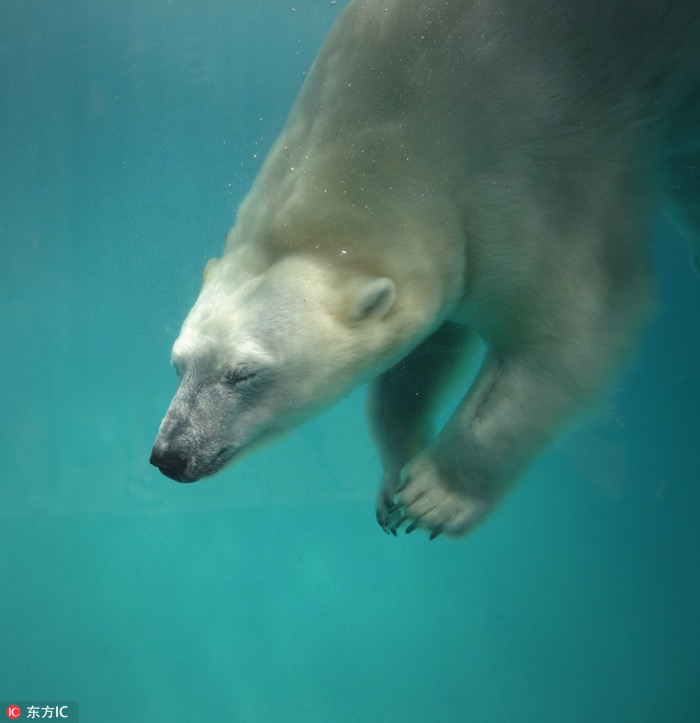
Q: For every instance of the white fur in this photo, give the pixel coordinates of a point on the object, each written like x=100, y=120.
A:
x=451, y=168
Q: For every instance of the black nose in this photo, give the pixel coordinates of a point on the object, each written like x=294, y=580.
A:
x=170, y=464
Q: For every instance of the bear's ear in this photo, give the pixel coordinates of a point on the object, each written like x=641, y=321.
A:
x=208, y=268
x=372, y=298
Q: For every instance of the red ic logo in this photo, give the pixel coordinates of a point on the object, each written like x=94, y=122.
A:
x=14, y=711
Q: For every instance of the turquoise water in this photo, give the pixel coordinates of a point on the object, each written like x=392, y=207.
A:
x=129, y=133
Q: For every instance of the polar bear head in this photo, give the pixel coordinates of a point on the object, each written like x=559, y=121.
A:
x=263, y=349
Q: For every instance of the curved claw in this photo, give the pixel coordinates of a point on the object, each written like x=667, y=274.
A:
x=388, y=513
x=393, y=530
x=381, y=522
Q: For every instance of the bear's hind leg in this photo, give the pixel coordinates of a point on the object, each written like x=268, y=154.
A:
x=401, y=404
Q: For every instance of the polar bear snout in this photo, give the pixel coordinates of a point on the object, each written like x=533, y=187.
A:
x=184, y=464
x=170, y=463
x=193, y=439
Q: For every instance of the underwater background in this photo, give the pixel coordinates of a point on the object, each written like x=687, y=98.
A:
x=129, y=133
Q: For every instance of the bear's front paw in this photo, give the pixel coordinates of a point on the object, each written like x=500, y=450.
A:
x=440, y=506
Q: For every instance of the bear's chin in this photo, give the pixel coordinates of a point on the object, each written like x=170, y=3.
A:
x=210, y=468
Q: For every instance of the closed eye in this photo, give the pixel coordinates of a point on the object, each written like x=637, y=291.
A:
x=239, y=375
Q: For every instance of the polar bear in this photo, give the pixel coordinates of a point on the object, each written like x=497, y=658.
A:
x=451, y=170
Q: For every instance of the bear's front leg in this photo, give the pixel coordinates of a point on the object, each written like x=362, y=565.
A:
x=509, y=413
x=514, y=408
x=540, y=368
x=401, y=403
